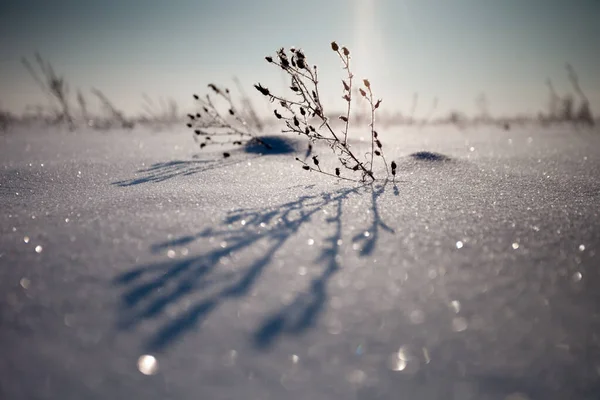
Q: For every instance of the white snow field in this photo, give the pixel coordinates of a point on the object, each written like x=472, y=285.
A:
x=135, y=266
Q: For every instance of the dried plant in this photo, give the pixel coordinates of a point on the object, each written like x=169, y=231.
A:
x=213, y=126
x=584, y=113
x=114, y=113
x=166, y=111
x=83, y=107
x=302, y=111
x=52, y=85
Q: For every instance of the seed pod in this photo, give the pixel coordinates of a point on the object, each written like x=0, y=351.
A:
x=197, y=132
x=302, y=111
x=269, y=59
x=296, y=122
x=306, y=167
x=300, y=63
x=294, y=88
x=355, y=168
x=346, y=87
x=337, y=171
x=262, y=89
x=196, y=97
x=190, y=116
x=346, y=51
x=198, y=115
x=277, y=114
x=362, y=92
x=334, y=46
x=377, y=153
x=346, y=97
x=367, y=83
x=231, y=112
x=202, y=145
x=188, y=125
x=315, y=160
x=393, y=165
x=377, y=104
x=343, y=118
x=225, y=155
x=378, y=143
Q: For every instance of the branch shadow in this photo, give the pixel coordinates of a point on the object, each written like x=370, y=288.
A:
x=163, y=171
x=196, y=286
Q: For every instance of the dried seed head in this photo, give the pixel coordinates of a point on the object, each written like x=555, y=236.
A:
x=337, y=171
x=377, y=153
x=315, y=160
x=302, y=111
x=279, y=116
x=269, y=59
x=205, y=109
x=334, y=46
x=198, y=115
x=225, y=155
x=306, y=167
x=196, y=97
x=362, y=92
x=214, y=88
x=367, y=83
x=188, y=125
x=378, y=143
x=197, y=131
x=296, y=122
x=262, y=89
x=346, y=97
x=343, y=118
x=378, y=103
x=190, y=116
x=346, y=51
x=294, y=88
x=355, y=168
x=202, y=145
x=231, y=112
x=375, y=134
x=393, y=165
x=346, y=87
x=300, y=63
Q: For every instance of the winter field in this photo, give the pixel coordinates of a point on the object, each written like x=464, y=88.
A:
x=135, y=266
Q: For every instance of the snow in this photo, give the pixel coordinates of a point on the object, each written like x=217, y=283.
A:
x=135, y=265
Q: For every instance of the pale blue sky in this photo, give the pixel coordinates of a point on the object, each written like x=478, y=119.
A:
x=452, y=49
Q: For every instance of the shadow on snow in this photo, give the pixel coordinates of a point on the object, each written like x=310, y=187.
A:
x=163, y=171
x=198, y=283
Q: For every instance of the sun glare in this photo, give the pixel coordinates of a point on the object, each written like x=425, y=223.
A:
x=369, y=56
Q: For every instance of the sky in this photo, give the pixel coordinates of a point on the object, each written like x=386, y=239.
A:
x=452, y=50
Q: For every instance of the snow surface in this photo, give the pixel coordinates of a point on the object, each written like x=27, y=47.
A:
x=473, y=276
